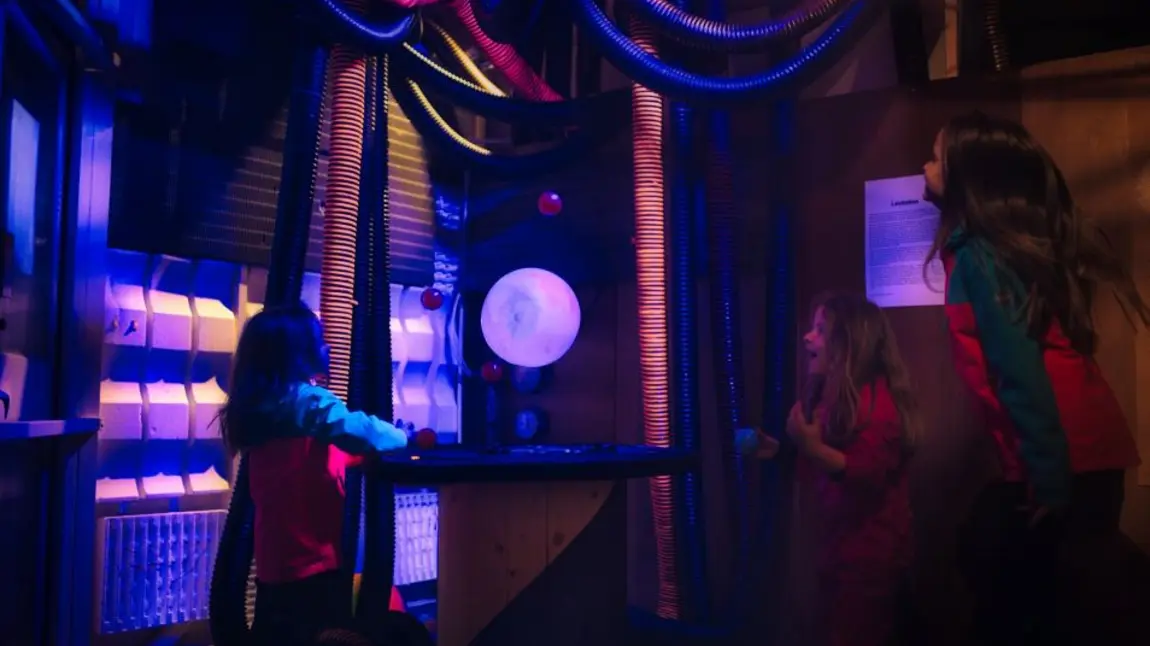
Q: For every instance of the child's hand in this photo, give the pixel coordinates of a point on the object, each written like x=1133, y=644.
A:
x=752, y=441
x=806, y=435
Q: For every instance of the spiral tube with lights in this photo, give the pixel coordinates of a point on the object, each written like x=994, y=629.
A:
x=361, y=388
x=227, y=602
x=347, y=78
x=460, y=151
x=343, y=19
x=681, y=173
x=996, y=35
x=727, y=354
x=375, y=263
x=469, y=95
x=707, y=32
x=504, y=57
x=468, y=65
x=650, y=265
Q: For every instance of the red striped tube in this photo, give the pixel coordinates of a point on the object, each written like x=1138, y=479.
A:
x=504, y=57
x=651, y=268
x=347, y=75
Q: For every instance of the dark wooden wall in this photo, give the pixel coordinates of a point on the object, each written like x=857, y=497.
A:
x=843, y=142
x=846, y=141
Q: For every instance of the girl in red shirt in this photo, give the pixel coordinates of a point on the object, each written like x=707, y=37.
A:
x=299, y=439
x=856, y=443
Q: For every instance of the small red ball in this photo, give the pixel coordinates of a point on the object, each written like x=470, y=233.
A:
x=426, y=439
x=431, y=299
x=550, y=203
x=492, y=372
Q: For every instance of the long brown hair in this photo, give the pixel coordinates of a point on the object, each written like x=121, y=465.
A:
x=1000, y=185
x=861, y=350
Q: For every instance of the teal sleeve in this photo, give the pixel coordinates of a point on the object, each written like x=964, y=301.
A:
x=1016, y=368
x=319, y=413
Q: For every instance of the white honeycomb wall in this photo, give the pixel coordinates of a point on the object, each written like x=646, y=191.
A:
x=156, y=569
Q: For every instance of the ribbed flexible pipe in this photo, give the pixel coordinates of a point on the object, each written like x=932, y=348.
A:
x=361, y=387
x=727, y=351
x=713, y=33
x=493, y=19
x=227, y=616
x=361, y=390
x=470, y=96
x=681, y=175
x=296, y=196
x=345, y=159
x=638, y=65
x=434, y=78
x=650, y=274
x=460, y=152
x=435, y=128
x=227, y=604
x=773, y=545
x=473, y=72
x=383, y=506
x=343, y=19
x=995, y=35
x=504, y=57
x=726, y=338
x=379, y=527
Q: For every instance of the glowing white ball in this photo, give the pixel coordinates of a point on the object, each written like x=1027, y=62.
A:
x=530, y=318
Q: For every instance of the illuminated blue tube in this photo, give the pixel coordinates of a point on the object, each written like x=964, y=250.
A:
x=671, y=81
x=727, y=344
x=682, y=173
x=346, y=28
x=710, y=33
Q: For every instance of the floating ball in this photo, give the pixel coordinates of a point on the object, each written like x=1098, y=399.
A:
x=550, y=203
x=530, y=318
x=426, y=439
x=431, y=299
x=492, y=372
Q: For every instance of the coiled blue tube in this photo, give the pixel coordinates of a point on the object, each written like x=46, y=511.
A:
x=682, y=175
x=711, y=33
x=374, y=38
x=780, y=357
x=673, y=82
x=727, y=346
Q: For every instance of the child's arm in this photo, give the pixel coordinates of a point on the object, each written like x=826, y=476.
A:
x=1015, y=363
x=321, y=414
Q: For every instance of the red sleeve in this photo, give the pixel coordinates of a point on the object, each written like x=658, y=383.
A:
x=877, y=450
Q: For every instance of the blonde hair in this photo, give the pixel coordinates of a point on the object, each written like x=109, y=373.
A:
x=861, y=349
